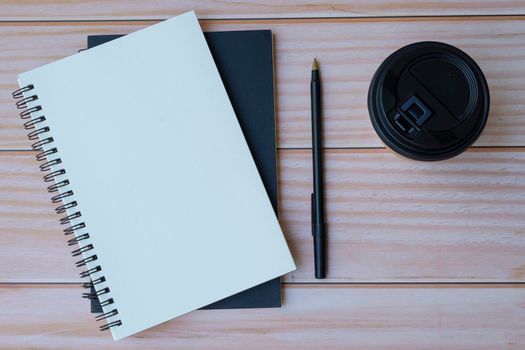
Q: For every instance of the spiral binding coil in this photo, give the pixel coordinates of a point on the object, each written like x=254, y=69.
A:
x=48, y=155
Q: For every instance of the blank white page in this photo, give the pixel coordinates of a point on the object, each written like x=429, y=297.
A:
x=170, y=194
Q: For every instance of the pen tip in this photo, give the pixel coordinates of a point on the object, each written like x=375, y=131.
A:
x=315, y=66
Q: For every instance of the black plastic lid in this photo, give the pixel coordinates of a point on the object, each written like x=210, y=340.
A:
x=428, y=101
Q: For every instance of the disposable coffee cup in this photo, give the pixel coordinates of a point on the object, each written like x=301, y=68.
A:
x=428, y=101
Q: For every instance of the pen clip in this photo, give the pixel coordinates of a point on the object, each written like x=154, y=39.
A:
x=312, y=204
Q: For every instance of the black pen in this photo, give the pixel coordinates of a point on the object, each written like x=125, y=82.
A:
x=318, y=222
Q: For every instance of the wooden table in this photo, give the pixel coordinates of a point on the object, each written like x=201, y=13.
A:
x=422, y=255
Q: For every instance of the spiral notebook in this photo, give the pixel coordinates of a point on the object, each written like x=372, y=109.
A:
x=151, y=172
x=245, y=63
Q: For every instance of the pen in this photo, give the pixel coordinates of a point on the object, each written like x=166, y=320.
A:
x=317, y=198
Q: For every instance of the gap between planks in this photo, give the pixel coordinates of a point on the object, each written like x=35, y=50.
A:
x=492, y=149
x=305, y=20
x=314, y=285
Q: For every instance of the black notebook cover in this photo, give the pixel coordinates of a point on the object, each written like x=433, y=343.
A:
x=245, y=62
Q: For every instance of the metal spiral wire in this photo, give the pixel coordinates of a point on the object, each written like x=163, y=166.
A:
x=25, y=98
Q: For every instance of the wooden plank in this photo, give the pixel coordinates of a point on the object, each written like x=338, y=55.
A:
x=349, y=52
x=389, y=219
x=312, y=317
x=32, y=245
x=134, y=9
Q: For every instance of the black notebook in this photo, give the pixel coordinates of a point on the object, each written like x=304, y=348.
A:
x=245, y=63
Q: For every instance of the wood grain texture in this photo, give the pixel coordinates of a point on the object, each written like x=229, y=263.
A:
x=349, y=50
x=314, y=317
x=389, y=219
x=135, y=9
x=33, y=247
